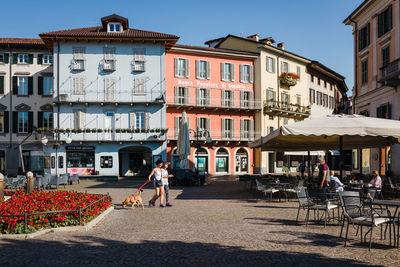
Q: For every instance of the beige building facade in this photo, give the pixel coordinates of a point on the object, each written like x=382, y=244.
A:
x=376, y=34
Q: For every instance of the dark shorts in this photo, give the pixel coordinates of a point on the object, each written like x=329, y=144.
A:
x=157, y=183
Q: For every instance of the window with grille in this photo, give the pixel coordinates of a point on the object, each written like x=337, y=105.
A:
x=139, y=58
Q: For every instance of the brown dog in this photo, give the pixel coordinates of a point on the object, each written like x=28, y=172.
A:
x=135, y=199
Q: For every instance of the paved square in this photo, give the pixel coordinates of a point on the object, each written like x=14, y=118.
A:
x=221, y=224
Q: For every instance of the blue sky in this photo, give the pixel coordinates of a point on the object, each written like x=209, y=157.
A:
x=311, y=28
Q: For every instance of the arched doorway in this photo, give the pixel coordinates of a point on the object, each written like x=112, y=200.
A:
x=222, y=161
x=241, y=161
x=134, y=160
x=202, y=162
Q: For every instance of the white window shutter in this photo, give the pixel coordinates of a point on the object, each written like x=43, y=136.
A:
x=176, y=96
x=176, y=126
x=282, y=67
x=223, y=98
x=132, y=120
x=187, y=95
x=251, y=100
x=273, y=64
x=241, y=128
x=208, y=96
x=197, y=123
x=187, y=73
x=222, y=72
x=233, y=128
x=251, y=70
x=208, y=121
x=208, y=70
x=81, y=120
x=198, y=96
x=76, y=119
x=223, y=127
x=233, y=104
x=188, y=122
x=241, y=75
x=232, y=72
x=147, y=120
x=176, y=66
x=197, y=69
x=251, y=130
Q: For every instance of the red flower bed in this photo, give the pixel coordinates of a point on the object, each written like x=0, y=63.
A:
x=41, y=201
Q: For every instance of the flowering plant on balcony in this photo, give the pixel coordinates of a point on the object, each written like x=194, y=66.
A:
x=289, y=78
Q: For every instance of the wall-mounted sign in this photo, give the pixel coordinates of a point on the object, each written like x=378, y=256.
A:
x=79, y=148
x=218, y=85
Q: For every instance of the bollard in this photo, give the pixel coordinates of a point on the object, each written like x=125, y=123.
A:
x=1, y=187
x=26, y=220
x=29, y=182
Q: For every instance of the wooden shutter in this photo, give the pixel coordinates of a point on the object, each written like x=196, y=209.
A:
x=15, y=85
x=40, y=59
x=251, y=130
x=208, y=70
x=15, y=121
x=222, y=71
x=30, y=121
x=6, y=121
x=6, y=58
x=15, y=59
x=132, y=120
x=223, y=127
x=197, y=96
x=176, y=96
x=187, y=68
x=147, y=120
x=176, y=67
x=241, y=99
x=241, y=128
x=223, y=98
x=40, y=119
x=208, y=122
x=1, y=84
x=188, y=121
x=208, y=96
x=233, y=128
x=176, y=126
x=232, y=72
x=187, y=95
x=197, y=69
x=197, y=123
x=251, y=73
x=30, y=85
x=241, y=75
x=251, y=99
x=30, y=58
x=233, y=99
x=76, y=119
x=40, y=85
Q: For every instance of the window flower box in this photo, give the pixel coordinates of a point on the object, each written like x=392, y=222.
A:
x=288, y=79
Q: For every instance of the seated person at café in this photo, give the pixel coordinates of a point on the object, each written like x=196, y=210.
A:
x=338, y=183
x=376, y=180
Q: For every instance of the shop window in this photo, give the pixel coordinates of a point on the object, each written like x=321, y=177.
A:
x=80, y=159
x=106, y=162
x=60, y=162
x=47, y=162
x=53, y=162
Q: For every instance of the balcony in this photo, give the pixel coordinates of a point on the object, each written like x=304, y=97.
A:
x=283, y=109
x=109, y=65
x=390, y=74
x=223, y=136
x=215, y=103
x=115, y=135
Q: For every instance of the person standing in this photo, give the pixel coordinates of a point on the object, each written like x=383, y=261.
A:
x=157, y=182
x=165, y=177
x=323, y=178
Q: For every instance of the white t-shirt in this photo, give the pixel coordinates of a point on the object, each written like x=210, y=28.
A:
x=164, y=180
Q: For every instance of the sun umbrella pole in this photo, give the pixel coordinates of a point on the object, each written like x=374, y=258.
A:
x=341, y=157
x=309, y=165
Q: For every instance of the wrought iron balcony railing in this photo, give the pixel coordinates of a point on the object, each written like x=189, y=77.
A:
x=285, y=109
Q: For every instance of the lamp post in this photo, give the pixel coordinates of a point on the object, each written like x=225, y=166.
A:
x=44, y=141
x=200, y=133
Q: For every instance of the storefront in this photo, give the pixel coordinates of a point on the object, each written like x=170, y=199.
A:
x=201, y=160
x=241, y=161
x=222, y=161
x=80, y=160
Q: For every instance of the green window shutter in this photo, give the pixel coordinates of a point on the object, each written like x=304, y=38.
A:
x=15, y=59
x=6, y=58
x=40, y=59
x=6, y=122
x=30, y=85
x=40, y=119
x=30, y=58
x=1, y=84
x=30, y=121
x=15, y=121
x=15, y=85
x=380, y=24
x=40, y=85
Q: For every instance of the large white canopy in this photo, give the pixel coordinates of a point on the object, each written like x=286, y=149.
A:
x=328, y=133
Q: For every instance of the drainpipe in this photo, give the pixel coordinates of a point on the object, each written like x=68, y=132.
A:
x=355, y=66
x=58, y=104
x=10, y=114
x=278, y=83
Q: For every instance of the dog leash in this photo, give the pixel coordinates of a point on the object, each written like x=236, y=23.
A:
x=141, y=186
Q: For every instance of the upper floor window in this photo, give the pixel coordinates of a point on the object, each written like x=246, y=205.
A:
x=47, y=85
x=114, y=27
x=312, y=78
x=325, y=84
x=23, y=58
x=228, y=128
x=203, y=96
x=22, y=122
x=312, y=96
x=245, y=99
x=202, y=69
x=363, y=37
x=284, y=67
x=79, y=58
x=271, y=96
x=47, y=59
x=227, y=98
x=140, y=86
x=246, y=128
x=285, y=100
x=79, y=85
x=181, y=95
x=140, y=120
x=364, y=72
x=4, y=58
x=22, y=85
x=1, y=58
x=270, y=64
x=109, y=89
x=385, y=21
x=246, y=73
x=298, y=71
x=139, y=57
x=181, y=67
x=48, y=120
x=227, y=72
x=385, y=56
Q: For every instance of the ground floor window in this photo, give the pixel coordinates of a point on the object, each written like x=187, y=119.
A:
x=222, y=160
x=2, y=161
x=201, y=160
x=80, y=159
x=106, y=162
x=241, y=161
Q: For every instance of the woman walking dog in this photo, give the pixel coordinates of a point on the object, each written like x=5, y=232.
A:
x=158, y=185
x=165, y=183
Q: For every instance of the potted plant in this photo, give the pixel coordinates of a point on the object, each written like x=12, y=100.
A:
x=99, y=130
x=288, y=79
x=117, y=130
x=87, y=130
x=137, y=130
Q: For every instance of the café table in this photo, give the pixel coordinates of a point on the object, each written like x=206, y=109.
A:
x=393, y=216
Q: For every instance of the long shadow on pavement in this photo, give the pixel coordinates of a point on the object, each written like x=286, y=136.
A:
x=103, y=252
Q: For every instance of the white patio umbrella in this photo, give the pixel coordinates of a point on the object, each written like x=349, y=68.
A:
x=183, y=145
x=333, y=132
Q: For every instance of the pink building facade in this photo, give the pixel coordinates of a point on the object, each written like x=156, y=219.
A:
x=215, y=87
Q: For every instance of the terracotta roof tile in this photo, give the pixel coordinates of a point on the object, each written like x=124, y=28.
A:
x=99, y=32
x=21, y=41
x=222, y=50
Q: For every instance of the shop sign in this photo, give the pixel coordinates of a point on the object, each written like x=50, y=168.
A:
x=79, y=148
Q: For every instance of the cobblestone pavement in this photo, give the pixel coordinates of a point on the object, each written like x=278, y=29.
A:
x=220, y=224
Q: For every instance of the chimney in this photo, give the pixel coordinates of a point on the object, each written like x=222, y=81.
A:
x=268, y=40
x=254, y=37
x=281, y=45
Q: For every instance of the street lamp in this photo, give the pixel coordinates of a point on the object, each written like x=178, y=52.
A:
x=200, y=133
